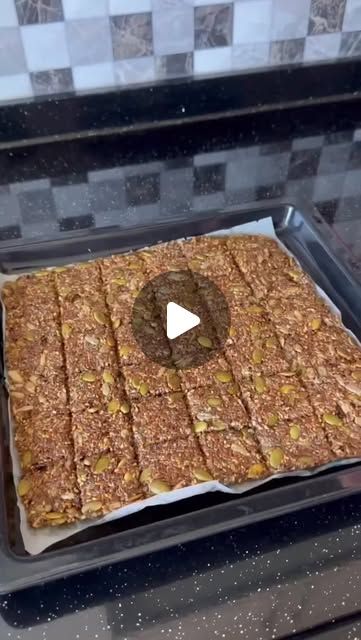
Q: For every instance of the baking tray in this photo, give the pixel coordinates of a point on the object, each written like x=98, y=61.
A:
x=158, y=527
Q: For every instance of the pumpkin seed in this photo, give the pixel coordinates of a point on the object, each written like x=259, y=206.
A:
x=108, y=377
x=295, y=431
x=205, y=342
x=202, y=475
x=332, y=420
x=114, y=406
x=102, y=464
x=143, y=389
x=125, y=407
x=88, y=376
x=214, y=401
x=159, y=486
x=276, y=457
x=100, y=318
x=200, y=426
x=66, y=330
x=256, y=470
x=24, y=487
x=223, y=376
x=260, y=384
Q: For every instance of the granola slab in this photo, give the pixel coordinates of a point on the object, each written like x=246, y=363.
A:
x=98, y=425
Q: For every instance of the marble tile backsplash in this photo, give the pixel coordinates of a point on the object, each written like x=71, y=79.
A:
x=61, y=46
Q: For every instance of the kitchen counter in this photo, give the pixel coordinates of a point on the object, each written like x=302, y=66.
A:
x=264, y=581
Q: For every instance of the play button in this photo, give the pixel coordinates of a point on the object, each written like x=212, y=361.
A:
x=179, y=320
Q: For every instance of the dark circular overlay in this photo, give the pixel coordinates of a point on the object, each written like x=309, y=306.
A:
x=196, y=294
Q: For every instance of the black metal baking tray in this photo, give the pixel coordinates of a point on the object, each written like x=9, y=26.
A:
x=159, y=527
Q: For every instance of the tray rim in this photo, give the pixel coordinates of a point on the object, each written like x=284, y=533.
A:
x=10, y=559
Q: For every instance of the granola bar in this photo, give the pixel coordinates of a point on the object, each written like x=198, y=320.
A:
x=50, y=494
x=33, y=348
x=150, y=379
x=215, y=410
x=44, y=438
x=161, y=419
x=91, y=362
x=232, y=457
x=216, y=372
x=171, y=465
x=285, y=424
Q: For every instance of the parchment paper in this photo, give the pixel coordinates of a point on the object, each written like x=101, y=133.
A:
x=36, y=540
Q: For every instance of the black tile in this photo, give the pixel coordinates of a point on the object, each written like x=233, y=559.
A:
x=275, y=147
x=213, y=26
x=10, y=233
x=178, y=163
x=70, y=178
x=334, y=158
x=337, y=137
x=303, y=163
x=52, y=81
x=36, y=206
x=76, y=222
x=326, y=16
x=355, y=156
x=349, y=209
x=209, y=179
x=142, y=190
x=328, y=210
x=106, y=195
x=132, y=35
x=174, y=66
x=270, y=191
x=39, y=11
x=240, y=196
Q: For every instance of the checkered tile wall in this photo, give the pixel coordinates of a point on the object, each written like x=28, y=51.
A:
x=57, y=46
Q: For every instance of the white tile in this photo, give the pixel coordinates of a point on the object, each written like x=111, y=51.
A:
x=134, y=70
x=290, y=19
x=8, y=17
x=93, y=76
x=322, y=47
x=122, y=7
x=84, y=8
x=14, y=87
x=250, y=54
x=352, y=17
x=213, y=60
x=202, y=3
x=45, y=46
x=252, y=21
x=173, y=30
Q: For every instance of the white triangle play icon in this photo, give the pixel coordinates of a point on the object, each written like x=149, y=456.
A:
x=179, y=320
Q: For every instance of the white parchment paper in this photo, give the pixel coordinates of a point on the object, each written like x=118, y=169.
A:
x=36, y=540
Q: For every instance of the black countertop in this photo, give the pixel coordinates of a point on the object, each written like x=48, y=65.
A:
x=275, y=580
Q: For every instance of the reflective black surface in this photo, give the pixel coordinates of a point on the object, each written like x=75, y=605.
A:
x=268, y=580
x=261, y=582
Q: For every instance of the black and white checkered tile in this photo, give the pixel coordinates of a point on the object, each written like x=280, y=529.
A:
x=323, y=169
x=57, y=46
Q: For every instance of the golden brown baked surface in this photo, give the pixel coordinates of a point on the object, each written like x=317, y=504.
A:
x=98, y=426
